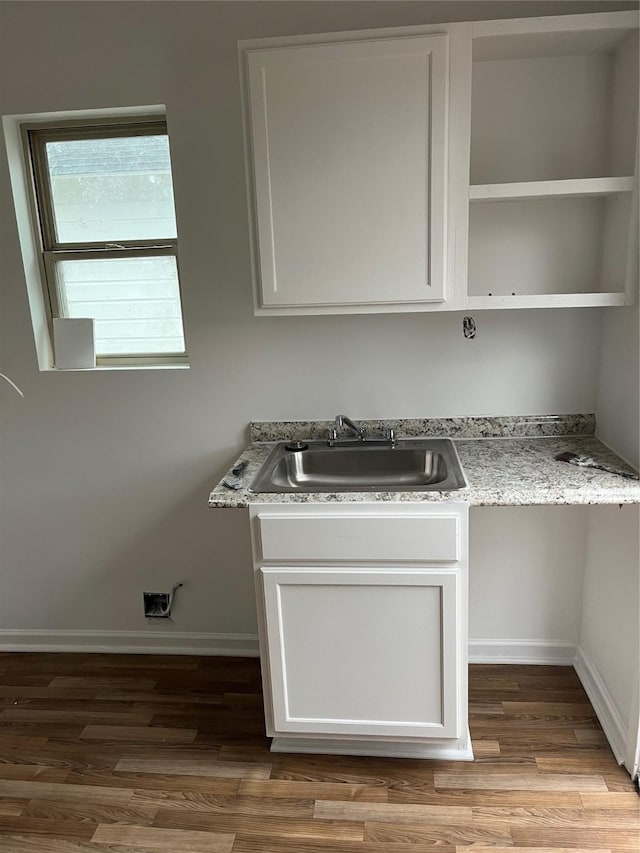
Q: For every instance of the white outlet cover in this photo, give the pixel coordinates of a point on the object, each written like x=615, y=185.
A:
x=74, y=343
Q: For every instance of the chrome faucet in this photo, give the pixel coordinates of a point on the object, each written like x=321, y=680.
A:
x=344, y=421
x=358, y=435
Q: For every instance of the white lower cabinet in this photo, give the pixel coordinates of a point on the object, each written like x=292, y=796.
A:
x=363, y=655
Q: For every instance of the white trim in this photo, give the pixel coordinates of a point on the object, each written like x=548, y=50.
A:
x=606, y=711
x=129, y=642
x=246, y=645
x=548, y=300
x=632, y=750
x=556, y=23
x=377, y=748
x=550, y=652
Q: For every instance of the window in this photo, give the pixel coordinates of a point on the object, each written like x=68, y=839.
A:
x=104, y=200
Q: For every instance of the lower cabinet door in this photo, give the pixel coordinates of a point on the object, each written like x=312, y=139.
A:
x=362, y=651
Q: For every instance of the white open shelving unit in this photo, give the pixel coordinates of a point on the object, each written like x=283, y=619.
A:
x=553, y=167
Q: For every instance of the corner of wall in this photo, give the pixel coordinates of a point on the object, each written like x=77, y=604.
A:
x=607, y=661
x=618, y=391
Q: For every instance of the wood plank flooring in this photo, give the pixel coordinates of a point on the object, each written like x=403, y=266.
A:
x=152, y=754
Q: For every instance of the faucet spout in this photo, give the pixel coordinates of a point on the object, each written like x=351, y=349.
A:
x=344, y=421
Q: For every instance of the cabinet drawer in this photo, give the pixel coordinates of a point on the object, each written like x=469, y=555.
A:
x=391, y=538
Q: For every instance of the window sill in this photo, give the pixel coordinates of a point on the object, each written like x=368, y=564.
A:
x=117, y=367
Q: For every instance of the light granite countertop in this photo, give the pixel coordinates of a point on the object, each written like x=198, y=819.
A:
x=501, y=470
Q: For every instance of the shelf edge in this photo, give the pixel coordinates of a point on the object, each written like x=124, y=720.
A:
x=576, y=188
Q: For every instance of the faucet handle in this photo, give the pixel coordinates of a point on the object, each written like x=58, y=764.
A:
x=390, y=435
x=332, y=435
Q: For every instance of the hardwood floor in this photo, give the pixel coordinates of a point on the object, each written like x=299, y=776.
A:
x=156, y=754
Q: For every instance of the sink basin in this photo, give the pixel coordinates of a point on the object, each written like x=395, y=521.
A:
x=412, y=465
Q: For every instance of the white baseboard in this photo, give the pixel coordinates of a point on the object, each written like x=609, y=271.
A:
x=245, y=645
x=129, y=642
x=610, y=720
x=522, y=651
x=461, y=751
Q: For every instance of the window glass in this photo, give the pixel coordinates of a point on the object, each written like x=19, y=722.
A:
x=117, y=188
x=135, y=302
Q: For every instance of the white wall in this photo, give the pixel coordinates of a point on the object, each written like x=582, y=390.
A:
x=617, y=410
x=610, y=638
x=105, y=475
x=525, y=582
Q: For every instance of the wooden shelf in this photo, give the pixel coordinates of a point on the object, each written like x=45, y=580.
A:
x=576, y=188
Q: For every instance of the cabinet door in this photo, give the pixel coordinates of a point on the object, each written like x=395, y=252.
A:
x=348, y=142
x=362, y=652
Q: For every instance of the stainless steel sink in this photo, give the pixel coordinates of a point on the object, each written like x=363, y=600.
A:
x=411, y=465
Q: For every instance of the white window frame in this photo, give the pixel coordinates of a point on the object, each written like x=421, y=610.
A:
x=35, y=136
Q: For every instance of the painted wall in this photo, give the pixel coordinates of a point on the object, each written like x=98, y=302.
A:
x=612, y=598
x=105, y=475
x=525, y=582
x=617, y=410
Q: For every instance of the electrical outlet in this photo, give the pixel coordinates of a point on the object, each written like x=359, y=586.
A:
x=156, y=605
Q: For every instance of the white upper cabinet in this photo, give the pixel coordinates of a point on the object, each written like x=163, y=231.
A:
x=348, y=165
x=472, y=165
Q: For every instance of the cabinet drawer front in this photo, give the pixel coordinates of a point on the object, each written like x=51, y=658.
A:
x=389, y=538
